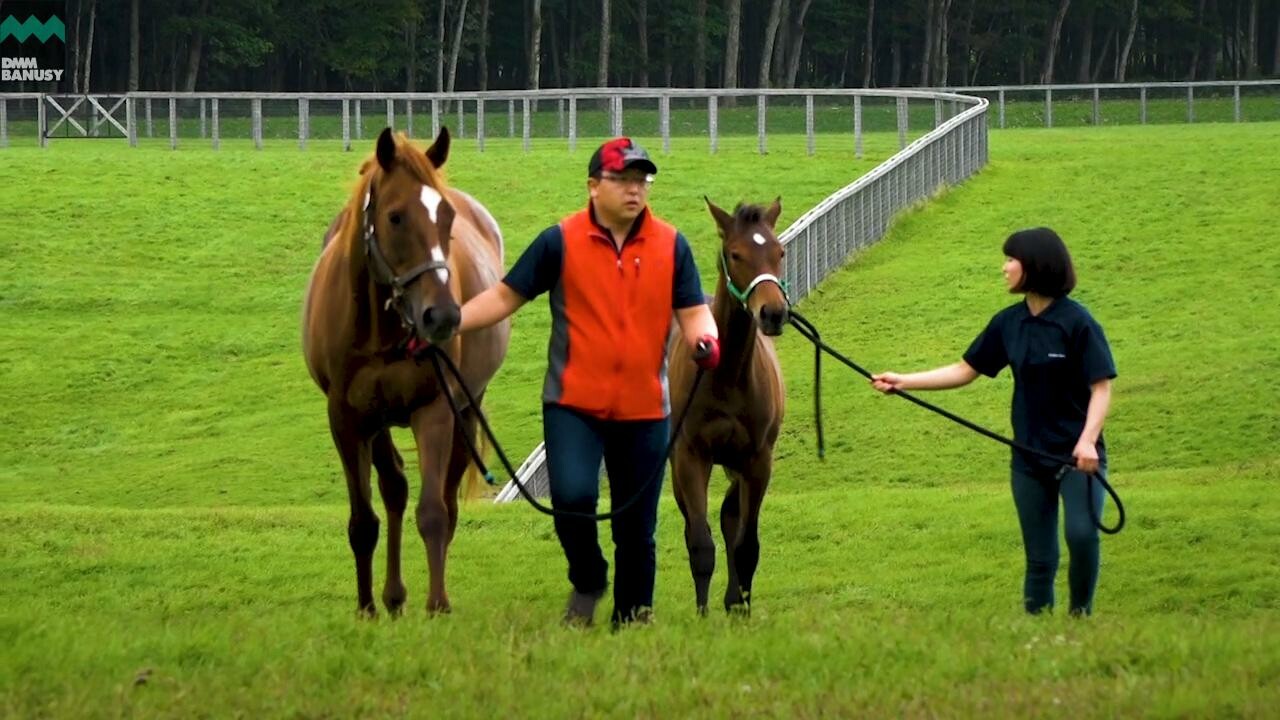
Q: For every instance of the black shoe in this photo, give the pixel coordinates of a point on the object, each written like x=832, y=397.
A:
x=580, y=611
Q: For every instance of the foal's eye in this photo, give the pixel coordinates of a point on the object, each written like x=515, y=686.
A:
x=394, y=218
x=782, y=254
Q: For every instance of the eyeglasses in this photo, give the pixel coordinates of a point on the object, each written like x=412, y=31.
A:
x=643, y=181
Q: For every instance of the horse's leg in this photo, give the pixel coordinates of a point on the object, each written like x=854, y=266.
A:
x=459, y=459
x=433, y=430
x=746, y=555
x=362, y=525
x=394, y=488
x=731, y=529
x=690, y=474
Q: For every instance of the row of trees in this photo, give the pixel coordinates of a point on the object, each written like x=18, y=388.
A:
x=427, y=45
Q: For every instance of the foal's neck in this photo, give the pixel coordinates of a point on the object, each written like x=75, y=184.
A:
x=737, y=333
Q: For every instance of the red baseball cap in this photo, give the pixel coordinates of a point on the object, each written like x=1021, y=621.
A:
x=620, y=154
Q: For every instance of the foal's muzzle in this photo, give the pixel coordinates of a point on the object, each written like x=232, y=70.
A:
x=772, y=319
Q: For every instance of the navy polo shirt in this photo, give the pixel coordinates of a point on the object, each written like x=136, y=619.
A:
x=1056, y=357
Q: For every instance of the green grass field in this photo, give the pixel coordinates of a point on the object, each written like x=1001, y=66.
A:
x=176, y=518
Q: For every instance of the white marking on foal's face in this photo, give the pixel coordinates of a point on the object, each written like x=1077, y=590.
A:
x=431, y=200
x=759, y=239
x=438, y=256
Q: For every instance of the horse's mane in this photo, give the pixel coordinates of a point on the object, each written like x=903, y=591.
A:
x=747, y=215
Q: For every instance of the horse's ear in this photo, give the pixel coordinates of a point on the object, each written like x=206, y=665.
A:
x=723, y=219
x=439, y=150
x=771, y=215
x=386, y=150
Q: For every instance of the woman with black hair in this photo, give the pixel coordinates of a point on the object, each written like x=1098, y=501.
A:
x=1062, y=372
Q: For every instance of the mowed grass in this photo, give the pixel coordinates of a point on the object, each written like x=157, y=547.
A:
x=176, y=516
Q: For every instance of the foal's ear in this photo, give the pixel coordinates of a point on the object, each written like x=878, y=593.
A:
x=386, y=150
x=723, y=220
x=771, y=215
x=439, y=150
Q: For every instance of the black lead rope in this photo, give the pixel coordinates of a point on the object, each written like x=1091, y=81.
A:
x=438, y=355
x=810, y=333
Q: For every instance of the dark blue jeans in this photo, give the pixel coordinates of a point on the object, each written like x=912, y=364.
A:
x=1036, y=497
x=632, y=453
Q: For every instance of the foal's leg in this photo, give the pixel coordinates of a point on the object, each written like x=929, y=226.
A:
x=362, y=525
x=433, y=430
x=690, y=475
x=731, y=528
x=746, y=556
x=395, y=495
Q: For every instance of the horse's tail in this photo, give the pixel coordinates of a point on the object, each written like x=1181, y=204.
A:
x=472, y=480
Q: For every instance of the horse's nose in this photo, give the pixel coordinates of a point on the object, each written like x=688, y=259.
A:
x=440, y=321
x=772, y=318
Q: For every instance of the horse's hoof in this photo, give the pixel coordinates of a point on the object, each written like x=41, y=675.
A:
x=393, y=600
x=434, y=609
x=367, y=612
x=702, y=611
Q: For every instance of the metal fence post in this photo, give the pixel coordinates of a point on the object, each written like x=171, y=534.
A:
x=761, y=111
x=130, y=120
x=937, y=112
x=1097, y=111
x=664, y=120
x=480, y=124
x=573, y=123
x=462, y=121
x=346, y=125
x=202, y=120
x=559, y=116
x=391, y=113
x=857, y=127
x=1002, y=109
x=408, y=118
x=511, y=118
x=712, y=123
x=1235, y=100
x=617, y=115
x=256, y=111
x=359, y=122
x=173, y=124
x=41, y=137
x=902, y=122
x=303, y=123
x=146, y=106
x=808, y=122
x=214, y=130
x=1048, y=108
x=1191, y=104
x=524, y=131
x=4, y=123
x=435, y=117
x=1142, y=105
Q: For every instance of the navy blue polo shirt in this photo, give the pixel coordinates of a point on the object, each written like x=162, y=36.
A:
x=1056, y=357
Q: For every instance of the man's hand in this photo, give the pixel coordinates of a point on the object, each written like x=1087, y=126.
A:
x=1086, y=455
x=707, y=352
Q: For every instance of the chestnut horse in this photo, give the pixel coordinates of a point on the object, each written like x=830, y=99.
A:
x=397, y=262
x=734, y=418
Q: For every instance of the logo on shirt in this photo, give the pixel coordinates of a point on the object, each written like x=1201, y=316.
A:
x=1056, y=355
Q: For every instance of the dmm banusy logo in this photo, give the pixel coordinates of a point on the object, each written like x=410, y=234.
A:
x=33, y=41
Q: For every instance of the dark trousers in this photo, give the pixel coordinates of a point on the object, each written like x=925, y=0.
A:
x=632, y=453
x=1036, y=497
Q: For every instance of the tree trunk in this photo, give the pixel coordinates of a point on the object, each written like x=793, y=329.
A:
x=88, y=48
x=770, y=36
x=926, y=62
x=733, y=31
x=457, y=44
x=535, y=45
x=1123, y=62
x=643, y=32
x=1195, y=54
x=942, y=54
x=869, y=50
x=1051, y=42
x=699, y=45
x=134, y=52
x=1106, y=51
x=440, y=47
x=778, y=65
x=195, y=50
x=483, y=58
x=602, y=76
x=75, y=51
x=557, y=76
x=1275, y=61
x=797, y=44
x=411, y=51
x=1085, y=67
x=895, y=72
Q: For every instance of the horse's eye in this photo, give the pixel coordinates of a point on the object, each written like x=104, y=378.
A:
x=784, y=254
x=735, y=257
x=394, y=218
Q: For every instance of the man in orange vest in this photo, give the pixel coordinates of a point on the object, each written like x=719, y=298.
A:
x=615, y=273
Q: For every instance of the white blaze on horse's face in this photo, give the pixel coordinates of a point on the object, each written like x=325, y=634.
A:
x=438, y=256
x=758, y=238
x=431, y=200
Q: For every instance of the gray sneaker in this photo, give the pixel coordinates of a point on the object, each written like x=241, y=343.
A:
x=580, y=611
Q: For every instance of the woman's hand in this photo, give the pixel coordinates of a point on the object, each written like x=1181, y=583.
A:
x=1086, y=455
x=886, y=382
